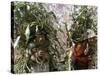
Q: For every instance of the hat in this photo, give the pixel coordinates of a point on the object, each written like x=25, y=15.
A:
x=90, y=33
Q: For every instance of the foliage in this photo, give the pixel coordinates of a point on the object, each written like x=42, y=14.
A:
x=84, y=17
x=32, y=14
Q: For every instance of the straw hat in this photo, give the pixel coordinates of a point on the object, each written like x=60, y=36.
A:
x=90, y=33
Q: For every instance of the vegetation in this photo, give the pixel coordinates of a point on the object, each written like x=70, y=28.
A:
x=35, y=14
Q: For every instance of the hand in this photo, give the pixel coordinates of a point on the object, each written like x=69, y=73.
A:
x=41, y=53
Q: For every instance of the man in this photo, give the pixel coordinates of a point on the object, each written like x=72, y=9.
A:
x=92, y=49
x=39, y=58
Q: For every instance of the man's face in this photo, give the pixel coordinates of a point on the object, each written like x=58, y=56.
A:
x=92, y=41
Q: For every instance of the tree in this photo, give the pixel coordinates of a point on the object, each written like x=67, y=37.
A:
x=84, y=17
